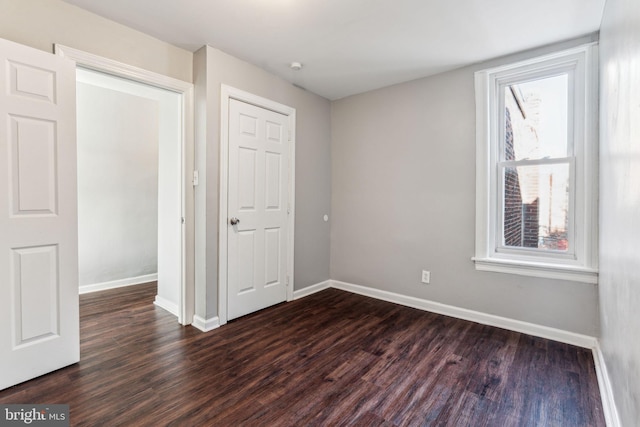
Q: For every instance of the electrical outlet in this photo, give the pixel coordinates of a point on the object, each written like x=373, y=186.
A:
x=426, y=276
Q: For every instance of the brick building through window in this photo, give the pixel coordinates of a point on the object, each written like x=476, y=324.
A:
x=520, y=219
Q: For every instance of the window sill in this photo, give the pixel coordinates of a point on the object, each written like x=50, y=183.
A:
x=535, y=269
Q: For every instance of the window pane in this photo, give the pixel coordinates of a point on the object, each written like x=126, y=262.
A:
x=536, y=119
x=536, y=206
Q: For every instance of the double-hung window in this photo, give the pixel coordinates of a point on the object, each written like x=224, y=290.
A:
x=536, y=166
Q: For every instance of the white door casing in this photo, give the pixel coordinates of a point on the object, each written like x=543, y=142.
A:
x=257, y=197
x=187, y=251
x=257, y=187
x=39, y=321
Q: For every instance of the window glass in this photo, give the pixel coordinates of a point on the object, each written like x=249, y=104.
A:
x=536, y=206
x=536, y=119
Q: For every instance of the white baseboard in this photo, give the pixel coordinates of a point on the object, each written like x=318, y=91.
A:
x=309, y=290
x=606, y=390
x=206, y=325
x=85, y=289
x=474, y=316
x=165, y=304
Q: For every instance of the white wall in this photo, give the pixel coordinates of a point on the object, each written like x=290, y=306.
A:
x=403, y=200
x=620, y=203
x=117, y=185
x=169, y=199
x=213, y=67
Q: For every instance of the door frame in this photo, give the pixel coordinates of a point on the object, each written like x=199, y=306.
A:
x=186, y=305
x=226, y=94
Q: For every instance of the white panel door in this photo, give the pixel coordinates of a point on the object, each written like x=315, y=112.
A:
x=39, y=324
x=257, y=208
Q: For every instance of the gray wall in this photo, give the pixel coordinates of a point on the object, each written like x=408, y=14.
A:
x=212, y=68
x=41, y=23
x=620, y=203
x=117, y=185
x=403, y=200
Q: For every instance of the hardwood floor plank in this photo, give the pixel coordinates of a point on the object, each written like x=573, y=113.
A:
x=332, y=358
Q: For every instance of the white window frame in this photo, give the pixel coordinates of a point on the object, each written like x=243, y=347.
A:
x=579, y=262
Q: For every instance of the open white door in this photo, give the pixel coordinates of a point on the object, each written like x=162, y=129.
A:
x=39, y=321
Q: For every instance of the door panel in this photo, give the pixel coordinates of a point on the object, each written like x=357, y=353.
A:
x=246, y=168
x=257, y=195
x=272, y=256
x=32, y=148
x=39, y=325
x=273, y=181
x=35, y=287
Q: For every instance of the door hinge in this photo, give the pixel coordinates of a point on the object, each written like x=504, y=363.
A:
x=182, y=220
x=195, y=178
x=289, y=136
x=287, y=280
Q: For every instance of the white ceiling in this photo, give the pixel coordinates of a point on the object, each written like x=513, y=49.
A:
x=352, y=46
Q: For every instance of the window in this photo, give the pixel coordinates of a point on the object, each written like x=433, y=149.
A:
x=536, y=167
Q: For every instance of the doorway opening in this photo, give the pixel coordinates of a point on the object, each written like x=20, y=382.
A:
x=151, y=106
x=129, y=174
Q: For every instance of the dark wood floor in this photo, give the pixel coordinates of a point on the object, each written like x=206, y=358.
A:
x=332, y=358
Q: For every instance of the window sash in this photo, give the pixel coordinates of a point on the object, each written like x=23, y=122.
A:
x=499, y=236
x=573, y=115
x=498, y=153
